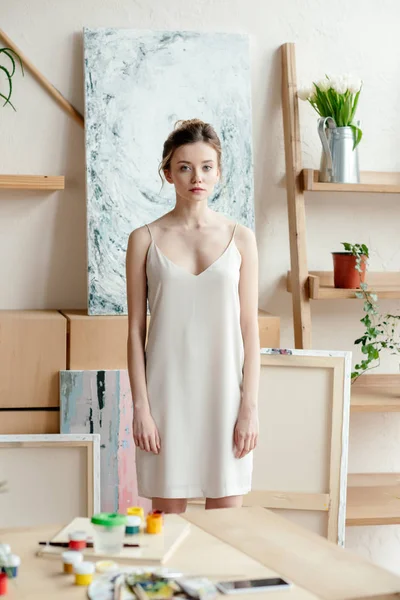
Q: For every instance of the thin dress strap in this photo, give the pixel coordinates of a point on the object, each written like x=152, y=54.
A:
x=151, y=235
x=234, y=229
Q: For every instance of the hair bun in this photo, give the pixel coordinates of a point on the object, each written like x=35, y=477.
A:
x=183, y=123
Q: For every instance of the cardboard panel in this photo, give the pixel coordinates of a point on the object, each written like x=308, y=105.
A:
x=32, y=352
x=29, y=421
x=99, y=342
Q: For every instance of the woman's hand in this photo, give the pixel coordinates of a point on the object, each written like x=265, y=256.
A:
x=145, y=432
x=246, y=431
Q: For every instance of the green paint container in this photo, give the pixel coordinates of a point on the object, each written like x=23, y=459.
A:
x=133, y=523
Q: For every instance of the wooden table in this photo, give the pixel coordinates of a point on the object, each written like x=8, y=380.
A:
x=225, y=544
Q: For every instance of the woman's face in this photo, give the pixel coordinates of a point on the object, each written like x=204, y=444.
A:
x=194, y=171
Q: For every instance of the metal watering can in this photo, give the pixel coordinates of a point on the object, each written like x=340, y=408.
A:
x=339, y=162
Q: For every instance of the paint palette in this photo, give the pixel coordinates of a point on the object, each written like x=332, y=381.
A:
x=152, y=550
x=111, y=586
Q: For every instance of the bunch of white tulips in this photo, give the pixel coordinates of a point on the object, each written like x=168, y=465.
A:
x=336, y=97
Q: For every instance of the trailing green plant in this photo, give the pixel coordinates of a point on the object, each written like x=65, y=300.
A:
x=380, y=331
x=9, y=73
x=336, y=97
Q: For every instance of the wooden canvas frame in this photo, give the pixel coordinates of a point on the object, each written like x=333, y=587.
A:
x=333, y=501
x=89, y=443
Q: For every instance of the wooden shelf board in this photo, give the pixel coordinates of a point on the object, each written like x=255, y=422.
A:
x=320, y=285
x=32, y=182
x=376, y=393
x=373, y=499
x=371, y=181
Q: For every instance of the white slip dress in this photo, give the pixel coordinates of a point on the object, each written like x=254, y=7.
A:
x=194, y=373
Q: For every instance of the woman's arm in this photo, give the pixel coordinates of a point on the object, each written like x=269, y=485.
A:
x=144, y=430
x=246, y=431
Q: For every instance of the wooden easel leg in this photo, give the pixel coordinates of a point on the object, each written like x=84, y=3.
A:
x=295, y=201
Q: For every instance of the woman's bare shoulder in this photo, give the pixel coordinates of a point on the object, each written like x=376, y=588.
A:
x=138, y=236
x=245, y=240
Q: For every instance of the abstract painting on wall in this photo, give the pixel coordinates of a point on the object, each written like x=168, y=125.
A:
x=138, y=83
x=101, y=402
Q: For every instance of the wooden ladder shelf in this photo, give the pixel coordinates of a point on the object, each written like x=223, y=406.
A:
x=304, y=285
x=372, y=498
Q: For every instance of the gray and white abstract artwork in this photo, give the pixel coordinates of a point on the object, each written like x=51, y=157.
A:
x=138, y=83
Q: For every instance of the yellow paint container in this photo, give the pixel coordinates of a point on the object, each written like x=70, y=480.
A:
x=136, y=511
x=154, y=523
x=84, y=573
x=70, y=559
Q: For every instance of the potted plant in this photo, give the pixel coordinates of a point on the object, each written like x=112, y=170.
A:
x=335, y=99
x=380, y=331
x=9, y=73
x=350, y=265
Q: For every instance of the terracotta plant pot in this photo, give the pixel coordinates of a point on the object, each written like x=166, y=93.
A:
x=345, y=274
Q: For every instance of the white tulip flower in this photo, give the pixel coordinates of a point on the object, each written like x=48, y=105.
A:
x=305, y=93
x=324, y=84
x=354, y=85
x=339, y=84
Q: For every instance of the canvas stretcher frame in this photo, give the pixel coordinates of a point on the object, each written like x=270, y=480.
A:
x=81, y=478
x=333, y=499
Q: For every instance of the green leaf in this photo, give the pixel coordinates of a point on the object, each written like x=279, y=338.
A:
x=357, y=135
x=9, y=81
x=373, y=354
x=355, y=104
x=364, y=250
x=6, y=52
x=7, y=101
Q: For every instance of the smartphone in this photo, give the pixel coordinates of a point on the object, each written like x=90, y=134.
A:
x=253, y=585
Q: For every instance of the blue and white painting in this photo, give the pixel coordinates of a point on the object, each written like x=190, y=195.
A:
x=138, y=83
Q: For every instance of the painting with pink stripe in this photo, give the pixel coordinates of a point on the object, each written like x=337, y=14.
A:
x=101, y=402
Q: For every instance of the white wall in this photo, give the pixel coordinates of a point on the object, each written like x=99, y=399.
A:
x=42, y=237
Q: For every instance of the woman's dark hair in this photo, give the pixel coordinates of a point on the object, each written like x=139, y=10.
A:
x=189, y=132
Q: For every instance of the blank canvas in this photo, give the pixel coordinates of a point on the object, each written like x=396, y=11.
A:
x=302, y=448
x=51, y=479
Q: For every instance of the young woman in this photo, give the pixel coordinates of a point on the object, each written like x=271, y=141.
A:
x=195, y=384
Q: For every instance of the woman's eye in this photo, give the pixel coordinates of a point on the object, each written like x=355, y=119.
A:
x=184, y=167
x=207, y=167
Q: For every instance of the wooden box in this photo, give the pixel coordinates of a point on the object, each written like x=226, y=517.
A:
x=32, y=352
x=34, y=422
x=100, y=342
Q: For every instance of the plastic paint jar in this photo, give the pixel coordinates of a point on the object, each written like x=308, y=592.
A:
x=133, y=523
x=77, y=540
x=157, y=512
x=106, y=566
x=136, y=511
x=3, y=584
x=70, y=559
x=13, y=562
x=109, y=532
x=83, y=573
x=154, y=523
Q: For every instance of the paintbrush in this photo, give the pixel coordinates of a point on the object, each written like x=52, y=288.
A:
x=88, y=544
